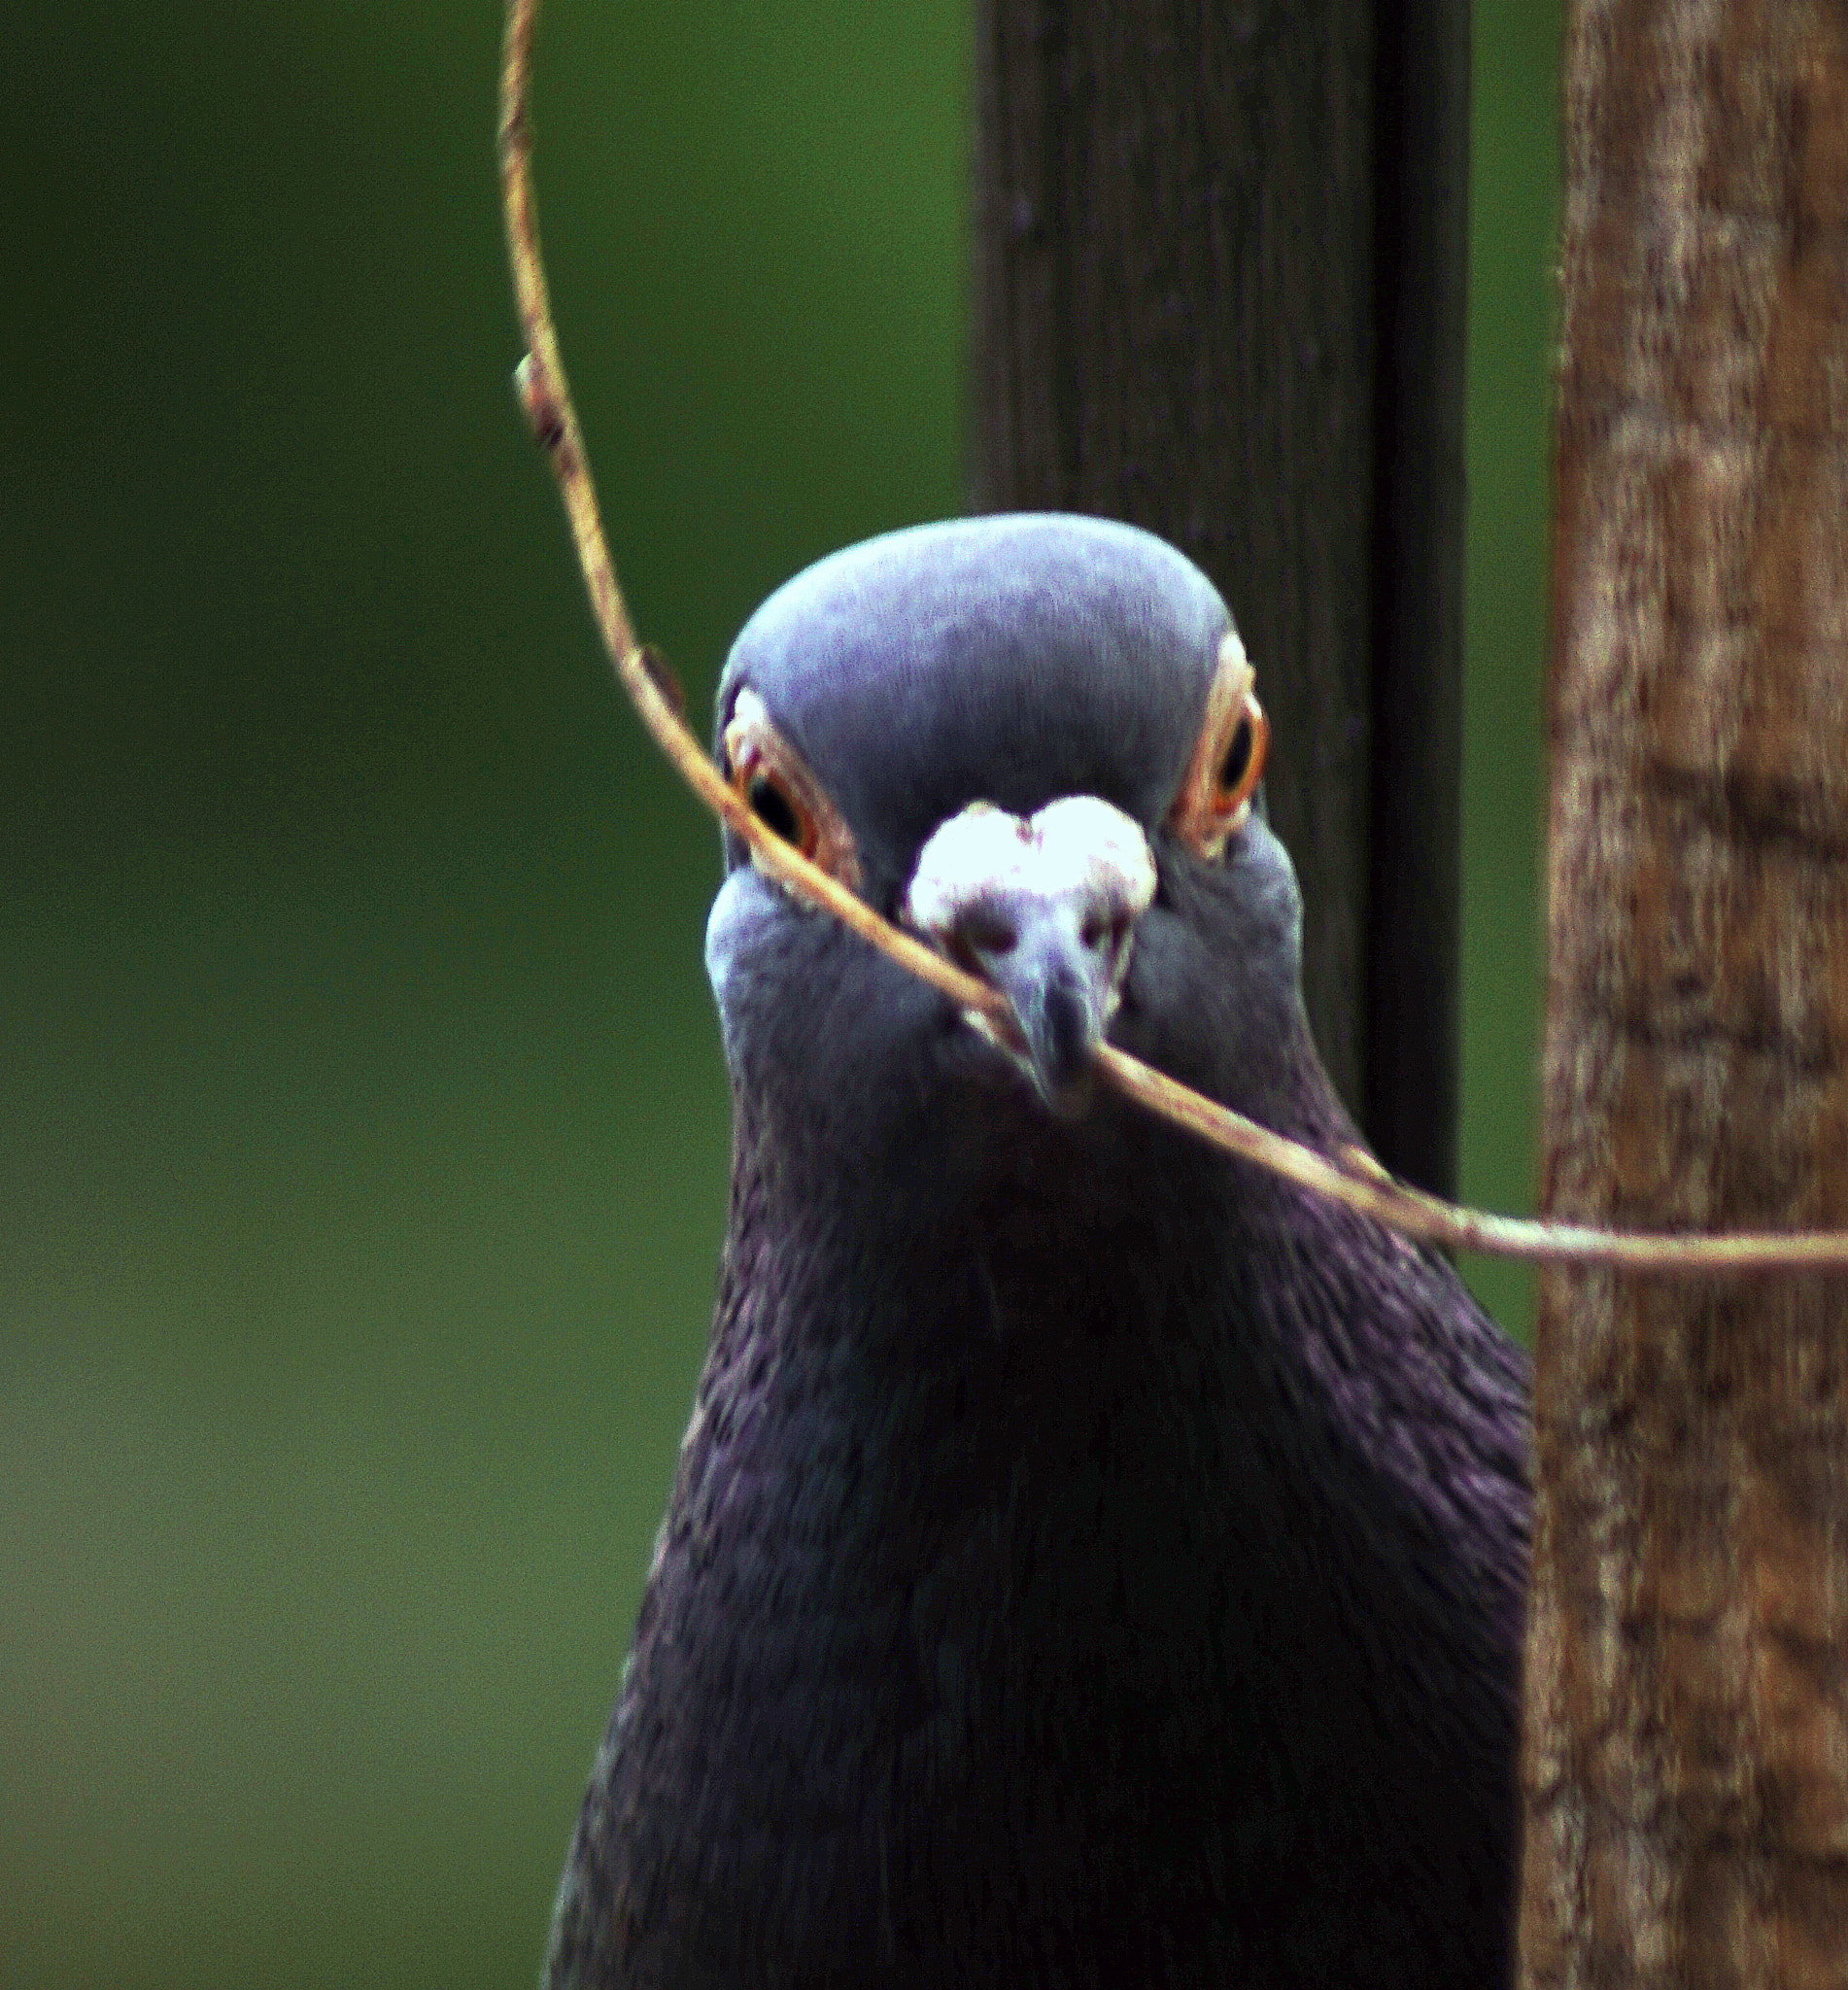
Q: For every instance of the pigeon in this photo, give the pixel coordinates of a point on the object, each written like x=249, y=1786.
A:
x=1091, y=1558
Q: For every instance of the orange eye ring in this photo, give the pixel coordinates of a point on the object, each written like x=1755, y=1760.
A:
x=1215, y=792
x=1241, y=766
x=771, y=778
x=775, y=803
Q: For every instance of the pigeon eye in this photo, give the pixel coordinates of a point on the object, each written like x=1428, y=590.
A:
x=1237, y=763
x=1228, y=758
x=778, y=812
x=781, y=792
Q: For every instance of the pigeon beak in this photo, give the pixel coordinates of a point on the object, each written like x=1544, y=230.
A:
x=1060, y=965
x=1045, y=910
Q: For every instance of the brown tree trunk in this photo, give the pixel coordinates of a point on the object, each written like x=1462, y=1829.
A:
x=1220, y=279
x=1685, y=1768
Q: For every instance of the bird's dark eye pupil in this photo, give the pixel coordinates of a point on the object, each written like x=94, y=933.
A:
x=774, y=809
x=1238, y=757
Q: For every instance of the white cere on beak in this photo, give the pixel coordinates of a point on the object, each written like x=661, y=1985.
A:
x=1079, y=848
x=1045, y=911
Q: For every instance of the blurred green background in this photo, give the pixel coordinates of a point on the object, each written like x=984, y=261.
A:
x=363, y=1130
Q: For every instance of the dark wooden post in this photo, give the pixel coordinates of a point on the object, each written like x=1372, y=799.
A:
x=1220, y=277
x=1686, y=1760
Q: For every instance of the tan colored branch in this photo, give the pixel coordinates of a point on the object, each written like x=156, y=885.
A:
x=547, y=402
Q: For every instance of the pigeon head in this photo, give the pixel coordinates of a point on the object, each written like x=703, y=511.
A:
x=1032, y=739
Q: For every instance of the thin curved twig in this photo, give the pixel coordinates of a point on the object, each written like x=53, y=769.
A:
x=546, y=401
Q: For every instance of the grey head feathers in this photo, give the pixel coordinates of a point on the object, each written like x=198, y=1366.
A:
x=1012, y=659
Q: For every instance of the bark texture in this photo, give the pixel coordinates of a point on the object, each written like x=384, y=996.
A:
x=1219, y=292
x=1686, y=1760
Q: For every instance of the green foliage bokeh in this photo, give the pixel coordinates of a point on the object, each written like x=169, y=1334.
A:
x=361, y=1120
